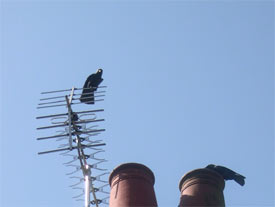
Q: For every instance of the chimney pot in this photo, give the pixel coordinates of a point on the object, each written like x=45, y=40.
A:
x=202, y=187
x=132, y=185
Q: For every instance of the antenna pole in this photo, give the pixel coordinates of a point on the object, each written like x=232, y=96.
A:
x=79, y=133
x=87, y=177
x=85, y=167
x=69, y=101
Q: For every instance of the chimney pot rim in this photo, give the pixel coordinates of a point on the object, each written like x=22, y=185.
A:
x=200, y=171
x=130, y=165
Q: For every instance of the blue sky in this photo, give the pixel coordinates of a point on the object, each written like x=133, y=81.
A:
x=189, y=83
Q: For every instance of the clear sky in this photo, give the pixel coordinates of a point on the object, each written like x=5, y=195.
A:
x=189, y=83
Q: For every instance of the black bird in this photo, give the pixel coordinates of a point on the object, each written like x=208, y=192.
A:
x=74, y=116
x=90, y=87
x=227, y=174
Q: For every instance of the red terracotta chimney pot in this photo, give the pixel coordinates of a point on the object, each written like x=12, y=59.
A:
x=202, y=187
x=132, y=185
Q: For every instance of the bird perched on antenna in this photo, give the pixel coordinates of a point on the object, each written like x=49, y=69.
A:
x=90, y=87
x=227, y=174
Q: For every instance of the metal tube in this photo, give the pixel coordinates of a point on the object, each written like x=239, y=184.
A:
x=57, y=150
x=81, y=112
x=64, y=149
x=70, y=118
x=46, y=92
x=78, y=94
x=71, y=95
x=87, y=191
x=62, y=125
x=41, y=107
x=50, y=137
x=87, y=176
x=52, y=102
x=77, y=133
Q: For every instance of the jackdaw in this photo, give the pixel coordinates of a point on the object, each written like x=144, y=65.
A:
x=227, y=174
x=90, y=87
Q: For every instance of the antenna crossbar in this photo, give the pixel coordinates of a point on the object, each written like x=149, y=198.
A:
x=74, y=133
x=66, y=114
x=41, y=107
x=57, y=91
x=68, y=148
x=66, y=124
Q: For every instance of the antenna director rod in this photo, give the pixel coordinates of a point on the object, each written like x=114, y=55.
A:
x=61, y=125
x=71, y=89
x=77, y=94
x=42, y=107
x=61, y=101
x=68, y=148
x=65, y=114
x=74, y=133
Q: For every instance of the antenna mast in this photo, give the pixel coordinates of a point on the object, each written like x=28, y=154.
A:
x=78, y=130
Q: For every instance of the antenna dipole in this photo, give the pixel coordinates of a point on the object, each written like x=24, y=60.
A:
x=78, y=132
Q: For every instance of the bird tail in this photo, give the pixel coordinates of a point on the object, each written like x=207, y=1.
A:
x=87, y=96
x=240, y=179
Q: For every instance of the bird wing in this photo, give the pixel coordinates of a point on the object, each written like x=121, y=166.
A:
x=89, y=81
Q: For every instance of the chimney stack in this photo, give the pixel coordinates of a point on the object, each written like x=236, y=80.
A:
x=132, y=185
x=202, y=187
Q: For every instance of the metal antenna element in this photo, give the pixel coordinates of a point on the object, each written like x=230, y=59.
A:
x=78, y=129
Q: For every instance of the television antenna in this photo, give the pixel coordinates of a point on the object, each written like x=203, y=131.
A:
x=78, y=129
